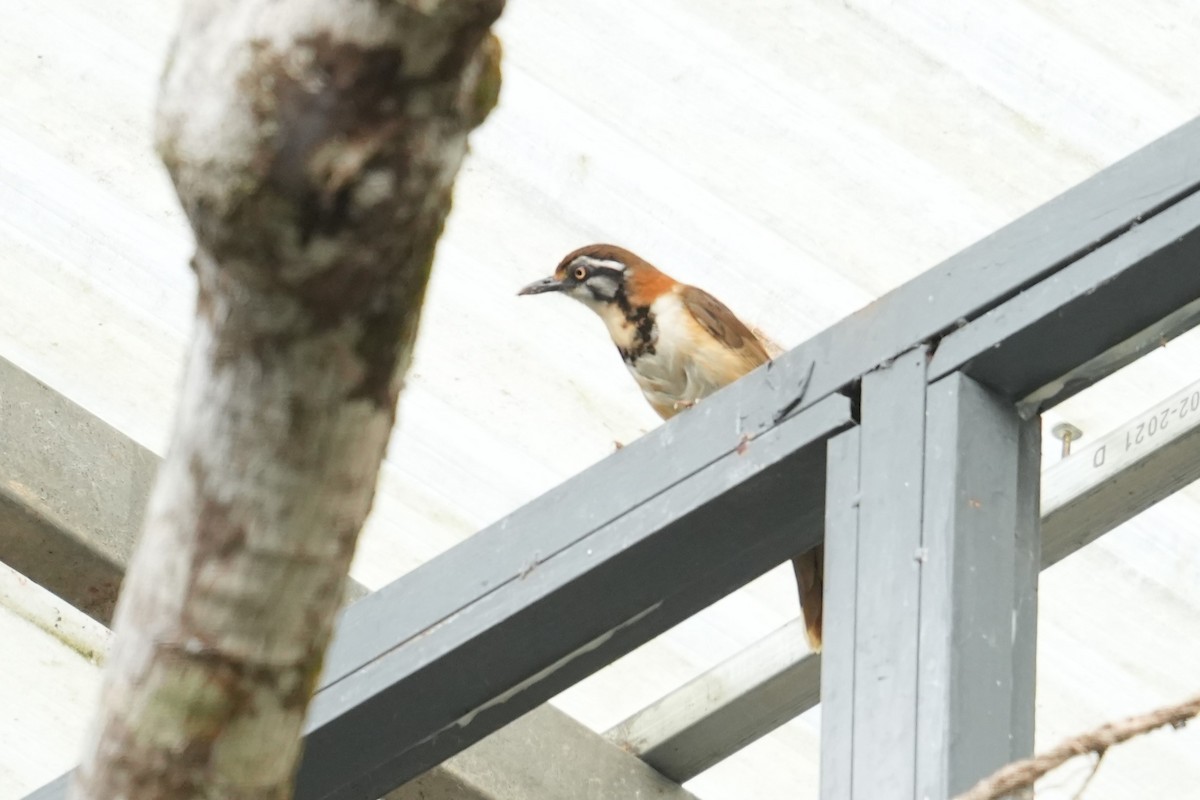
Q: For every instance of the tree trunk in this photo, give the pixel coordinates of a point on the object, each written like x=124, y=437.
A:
x=313, y=144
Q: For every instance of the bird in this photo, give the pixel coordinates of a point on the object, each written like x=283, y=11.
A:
x=680, y=344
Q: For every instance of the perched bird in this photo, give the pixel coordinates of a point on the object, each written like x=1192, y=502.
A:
x=680, y=344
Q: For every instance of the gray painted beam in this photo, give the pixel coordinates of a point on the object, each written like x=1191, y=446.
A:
x=882, y=674
x=1086, y=321
x=945, y=562
x=726, y=708
x=1085, y=496
x=1158, y=334
x=977, y=614
x=1028, y=562
x=843, y=492
x=522, y=637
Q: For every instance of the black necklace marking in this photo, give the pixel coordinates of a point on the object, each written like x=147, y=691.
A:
x=644, y=332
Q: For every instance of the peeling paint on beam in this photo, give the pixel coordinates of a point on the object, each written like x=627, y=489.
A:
x=544, y=674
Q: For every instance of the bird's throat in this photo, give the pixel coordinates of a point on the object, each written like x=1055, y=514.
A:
x=631, y=327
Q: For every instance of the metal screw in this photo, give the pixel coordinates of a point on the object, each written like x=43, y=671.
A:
x=1066, y=433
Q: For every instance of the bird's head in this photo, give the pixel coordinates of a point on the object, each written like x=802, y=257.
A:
x=603, y=276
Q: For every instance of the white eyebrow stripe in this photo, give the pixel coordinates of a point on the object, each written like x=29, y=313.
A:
x=599, y=263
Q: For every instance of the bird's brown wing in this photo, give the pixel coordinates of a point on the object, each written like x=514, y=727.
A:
x=718, y=320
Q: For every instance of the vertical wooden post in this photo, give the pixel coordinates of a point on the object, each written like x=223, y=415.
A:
x=932, y=552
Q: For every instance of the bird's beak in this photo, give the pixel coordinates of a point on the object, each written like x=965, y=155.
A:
x=550, y=284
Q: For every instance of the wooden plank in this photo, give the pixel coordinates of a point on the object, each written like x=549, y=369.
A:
x=884, y=677
x=726, y=708
x=1027, y=566
x=842, y=492
x=978, y=565
x=1081, y=324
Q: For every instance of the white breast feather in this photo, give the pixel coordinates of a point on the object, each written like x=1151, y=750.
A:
x=676, y=371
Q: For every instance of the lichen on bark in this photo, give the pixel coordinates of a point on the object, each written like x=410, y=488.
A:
x=313, y=145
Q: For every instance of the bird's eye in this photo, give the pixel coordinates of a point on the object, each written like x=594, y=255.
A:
x=580, y=273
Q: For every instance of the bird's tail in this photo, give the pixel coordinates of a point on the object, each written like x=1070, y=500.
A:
x=810, y=580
